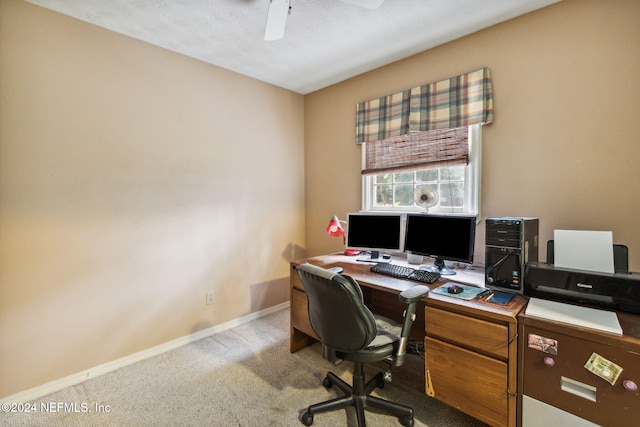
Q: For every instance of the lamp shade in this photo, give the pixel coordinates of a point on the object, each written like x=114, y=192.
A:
x=334, y=228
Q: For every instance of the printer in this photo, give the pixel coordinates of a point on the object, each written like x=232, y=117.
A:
x=616, y=291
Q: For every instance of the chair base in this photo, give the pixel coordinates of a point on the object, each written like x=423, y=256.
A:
x=359, y=397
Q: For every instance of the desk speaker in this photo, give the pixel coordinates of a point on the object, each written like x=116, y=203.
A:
x=510, y=243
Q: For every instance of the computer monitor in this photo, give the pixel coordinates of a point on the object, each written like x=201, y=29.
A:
x=375, y=232
x=445, y=238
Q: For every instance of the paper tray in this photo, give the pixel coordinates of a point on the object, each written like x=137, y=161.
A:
x=602, y=320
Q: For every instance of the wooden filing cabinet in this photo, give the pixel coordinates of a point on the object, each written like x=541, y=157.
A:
x=555, y=383
x=471, y=360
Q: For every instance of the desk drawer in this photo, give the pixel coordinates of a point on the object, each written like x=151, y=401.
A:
x=300, y=313
x=471, y=382
x=485, y=337
x=557, y=376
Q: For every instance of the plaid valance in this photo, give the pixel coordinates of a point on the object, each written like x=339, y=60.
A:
x=459, y=101
x=463, y=100
x=383, y=117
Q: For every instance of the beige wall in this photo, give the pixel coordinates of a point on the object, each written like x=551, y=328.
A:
x=565, y=143
x=120, y=205
x=132, y=181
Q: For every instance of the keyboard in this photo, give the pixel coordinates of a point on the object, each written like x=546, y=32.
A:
x=393, y=270
x=403, y=272
x=424, y=276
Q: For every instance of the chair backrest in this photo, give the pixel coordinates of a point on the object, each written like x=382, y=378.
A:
x=337, y=312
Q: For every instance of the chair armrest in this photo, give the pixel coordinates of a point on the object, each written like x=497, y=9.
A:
x=413, y=294
x=410, y=297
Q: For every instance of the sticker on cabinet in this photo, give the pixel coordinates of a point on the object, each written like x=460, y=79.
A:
x=546, y=345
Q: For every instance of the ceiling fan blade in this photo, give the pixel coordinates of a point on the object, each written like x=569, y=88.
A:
x=367, y=4
x=276, y=19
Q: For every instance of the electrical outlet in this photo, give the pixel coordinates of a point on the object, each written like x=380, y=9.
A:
x=210, y=296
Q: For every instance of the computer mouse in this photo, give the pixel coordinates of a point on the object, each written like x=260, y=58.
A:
x=455, y=289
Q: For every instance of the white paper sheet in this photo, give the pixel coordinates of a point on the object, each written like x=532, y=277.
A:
x=584, y=250
x=592, y=318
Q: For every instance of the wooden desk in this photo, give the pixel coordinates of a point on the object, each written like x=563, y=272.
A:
x=470, y=346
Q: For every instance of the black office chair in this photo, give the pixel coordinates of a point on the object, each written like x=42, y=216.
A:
x=349, y=331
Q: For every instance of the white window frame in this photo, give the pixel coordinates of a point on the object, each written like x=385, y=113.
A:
x=473, y=184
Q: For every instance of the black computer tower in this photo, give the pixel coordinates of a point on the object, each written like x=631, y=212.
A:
x=510, y=243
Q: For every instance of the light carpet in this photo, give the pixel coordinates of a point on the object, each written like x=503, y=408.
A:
x=244, y=377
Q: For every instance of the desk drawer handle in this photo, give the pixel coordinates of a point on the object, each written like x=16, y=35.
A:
x=630, y=385
x=548, y=361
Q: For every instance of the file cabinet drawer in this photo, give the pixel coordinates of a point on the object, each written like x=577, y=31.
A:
x=471, y=382
x=479, y=335
x=555, y=374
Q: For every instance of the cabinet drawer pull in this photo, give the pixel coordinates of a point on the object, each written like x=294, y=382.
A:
x=548, y=361
x=630, y=385
x=577, y=388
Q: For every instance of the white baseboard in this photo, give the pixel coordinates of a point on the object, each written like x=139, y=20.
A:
x=73, y=379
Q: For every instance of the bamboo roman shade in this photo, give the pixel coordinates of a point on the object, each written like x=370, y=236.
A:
x=417, y=151
x=459, y=101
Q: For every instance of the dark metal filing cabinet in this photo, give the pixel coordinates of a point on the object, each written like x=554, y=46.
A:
x=554, y=382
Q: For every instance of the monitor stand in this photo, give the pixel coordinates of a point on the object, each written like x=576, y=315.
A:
x=439, y=267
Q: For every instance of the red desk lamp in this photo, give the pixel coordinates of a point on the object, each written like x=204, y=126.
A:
x=335, y=229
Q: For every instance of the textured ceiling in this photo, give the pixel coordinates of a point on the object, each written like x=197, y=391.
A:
x=325, y=41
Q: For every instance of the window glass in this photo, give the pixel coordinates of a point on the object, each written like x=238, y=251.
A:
x=427, y=175
x=457, y=185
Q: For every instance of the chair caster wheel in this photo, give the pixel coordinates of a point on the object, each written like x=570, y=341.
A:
x=327, y=383
x=380, y=383
x=405, y=420
x=307, y=419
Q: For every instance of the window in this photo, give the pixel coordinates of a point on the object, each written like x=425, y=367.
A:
x=458, y=185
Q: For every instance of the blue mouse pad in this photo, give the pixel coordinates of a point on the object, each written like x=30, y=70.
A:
x=469, y=292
